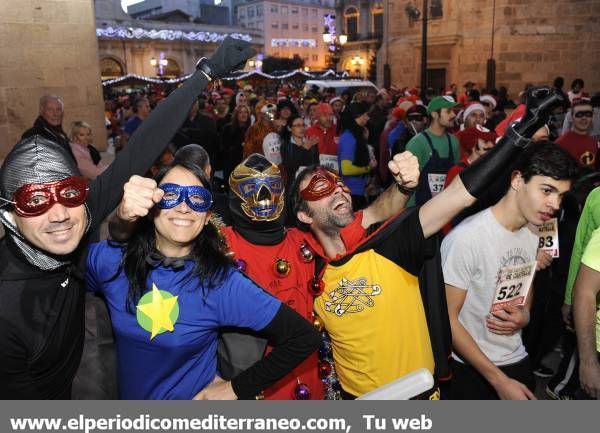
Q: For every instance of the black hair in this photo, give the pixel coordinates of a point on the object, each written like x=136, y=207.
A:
x=138, y=100
x=209, y=249
x=285, y=133
x=577, y=81
x=546, y=158
x=559, y=82
x=295, y=203
x=193, y=153
x=348, y=122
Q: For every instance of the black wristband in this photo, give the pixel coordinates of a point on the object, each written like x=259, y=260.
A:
x=203, y=66
x=404, y=190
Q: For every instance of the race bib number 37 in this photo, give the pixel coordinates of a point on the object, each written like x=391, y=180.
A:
x=548, y=237
x=436, y=183
x=513, y=286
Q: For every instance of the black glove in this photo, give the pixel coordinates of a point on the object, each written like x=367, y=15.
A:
x=540, y=102
x=230, y=56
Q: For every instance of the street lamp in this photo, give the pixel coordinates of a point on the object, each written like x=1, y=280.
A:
x=159, y=64
x=414, y=14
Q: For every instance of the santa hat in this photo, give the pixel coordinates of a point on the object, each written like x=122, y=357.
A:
x=468, y=137
x=398, y=113
x=472, y=107
x=489, y=99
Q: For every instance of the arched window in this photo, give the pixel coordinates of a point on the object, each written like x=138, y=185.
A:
x=172, y=69
x=351, y=16
x=111, y=68
x=377, y=24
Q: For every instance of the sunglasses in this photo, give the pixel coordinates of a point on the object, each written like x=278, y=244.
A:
x=34, y=199
x=197, y=198
x=581, y=114
x=322, y=184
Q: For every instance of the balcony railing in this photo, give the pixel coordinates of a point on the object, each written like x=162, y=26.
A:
x=355, y=37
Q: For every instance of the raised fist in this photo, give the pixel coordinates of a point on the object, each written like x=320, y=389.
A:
x=140, y=194
x=230, y=56
x=405, y=169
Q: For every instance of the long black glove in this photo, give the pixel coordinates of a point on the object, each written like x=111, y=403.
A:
x=540, y=102
x=230, y=56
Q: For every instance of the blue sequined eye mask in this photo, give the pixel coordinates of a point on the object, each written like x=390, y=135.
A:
x=197, y=198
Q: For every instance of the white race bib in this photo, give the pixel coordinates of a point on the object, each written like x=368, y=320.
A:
x=436, y=183
x=330, y=161
x=513, y=285
x=548, y=237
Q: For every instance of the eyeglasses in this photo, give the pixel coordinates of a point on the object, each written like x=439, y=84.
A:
x=322, y=184
x=417, y=118
x=34, y=199
x=581, y=114
x=197, y=198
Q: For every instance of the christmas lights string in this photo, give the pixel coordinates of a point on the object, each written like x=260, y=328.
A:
x=242, y=76
x=167, y=35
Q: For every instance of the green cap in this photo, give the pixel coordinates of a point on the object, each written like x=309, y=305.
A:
x=441, y=102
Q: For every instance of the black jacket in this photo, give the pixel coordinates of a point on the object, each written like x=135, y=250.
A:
x=52, y=133
x=42, y=312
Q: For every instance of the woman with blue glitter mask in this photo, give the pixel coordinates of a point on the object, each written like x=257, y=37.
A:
x=169, y=290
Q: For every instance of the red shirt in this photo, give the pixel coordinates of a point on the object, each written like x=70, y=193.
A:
x=583, y=148
x=327, y=139
x=293, y=289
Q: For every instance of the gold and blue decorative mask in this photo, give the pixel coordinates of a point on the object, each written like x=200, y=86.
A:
x=258, y=184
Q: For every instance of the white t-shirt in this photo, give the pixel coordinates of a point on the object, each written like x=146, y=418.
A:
x=272, y=147
x=472, y=256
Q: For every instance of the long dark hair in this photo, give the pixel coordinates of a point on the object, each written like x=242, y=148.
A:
x=286, y=133
x=209, y=249
x=351, y=112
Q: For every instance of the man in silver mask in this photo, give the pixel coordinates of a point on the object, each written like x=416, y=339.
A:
x=50, y=213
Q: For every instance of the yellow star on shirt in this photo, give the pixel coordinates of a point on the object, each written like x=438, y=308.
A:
x=158, y=307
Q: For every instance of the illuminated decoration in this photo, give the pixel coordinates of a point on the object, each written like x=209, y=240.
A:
x=294, y=43
x=333, y=40
x=242, y=76
x=161, y=63
x=166, y=35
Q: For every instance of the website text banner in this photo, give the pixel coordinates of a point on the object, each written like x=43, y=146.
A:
x=332, y=416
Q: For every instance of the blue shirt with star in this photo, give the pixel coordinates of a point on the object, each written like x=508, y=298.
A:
x=178, y=364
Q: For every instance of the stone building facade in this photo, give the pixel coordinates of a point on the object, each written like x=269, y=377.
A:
x=48, y=47
x=533, y=42
x=127, y=45
x=289, y=27
x=363, y=22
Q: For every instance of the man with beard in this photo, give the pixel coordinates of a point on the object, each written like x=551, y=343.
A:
x=279, y=261
x=382, y=298
x=436, y=149
x=50, y=214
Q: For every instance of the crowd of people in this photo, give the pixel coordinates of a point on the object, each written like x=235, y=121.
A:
x=286, y=245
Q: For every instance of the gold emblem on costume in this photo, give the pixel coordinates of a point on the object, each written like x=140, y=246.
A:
x=352, y=296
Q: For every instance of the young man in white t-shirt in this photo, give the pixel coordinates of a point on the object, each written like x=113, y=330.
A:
x=486, y=249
